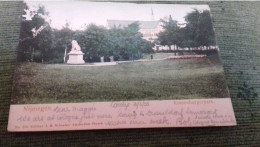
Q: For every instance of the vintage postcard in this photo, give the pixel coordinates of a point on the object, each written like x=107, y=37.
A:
x=107, y=65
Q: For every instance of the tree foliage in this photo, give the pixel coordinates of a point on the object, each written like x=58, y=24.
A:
x=197, y=32
x=169, y=35
x=122, y=43
x=61, y=44
x=35, y=48
x=200, y=28
x=50, y=45
x=92, y=41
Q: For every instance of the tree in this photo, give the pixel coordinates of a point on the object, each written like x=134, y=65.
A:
x=26, y=36
x=197, y=32
x=122, y=43
x=133, y=40
x=43, y=41
x=92, y=41
x=146, y=46
x=169, y=35
x=206, y=35
x=62, y=44
x=36, y=36
x=199, y=29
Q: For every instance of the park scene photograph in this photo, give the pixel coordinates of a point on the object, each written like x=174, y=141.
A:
x=74, y=52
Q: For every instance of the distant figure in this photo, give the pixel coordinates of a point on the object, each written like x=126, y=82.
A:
x=151, y=57
x=75, y=46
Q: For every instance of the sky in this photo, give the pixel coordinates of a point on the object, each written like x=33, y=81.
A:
x=79, y=14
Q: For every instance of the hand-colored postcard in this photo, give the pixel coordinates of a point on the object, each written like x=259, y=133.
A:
x=109, y=65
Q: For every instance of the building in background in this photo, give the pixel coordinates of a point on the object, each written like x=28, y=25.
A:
x=149, y=29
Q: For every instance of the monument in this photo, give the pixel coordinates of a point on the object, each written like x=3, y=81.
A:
x=111, y=58
x=102, y=59
x=75, y=55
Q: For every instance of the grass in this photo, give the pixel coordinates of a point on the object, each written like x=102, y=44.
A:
x=158, y=55
x=154, y=80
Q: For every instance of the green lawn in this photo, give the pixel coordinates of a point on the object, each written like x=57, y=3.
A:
x=158, y=55
x=166, y=79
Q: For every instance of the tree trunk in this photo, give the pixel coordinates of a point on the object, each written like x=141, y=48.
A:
x=42, y=58
x=32, y=58
x=65, y=54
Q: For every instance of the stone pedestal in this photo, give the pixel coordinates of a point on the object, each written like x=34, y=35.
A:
x=111, y=58
x=102, y=59
x=75, y=58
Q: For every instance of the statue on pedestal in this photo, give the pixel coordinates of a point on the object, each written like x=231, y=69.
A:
x=75, y=46
x=75, y=55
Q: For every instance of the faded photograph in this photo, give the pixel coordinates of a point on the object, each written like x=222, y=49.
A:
x=104, y=51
